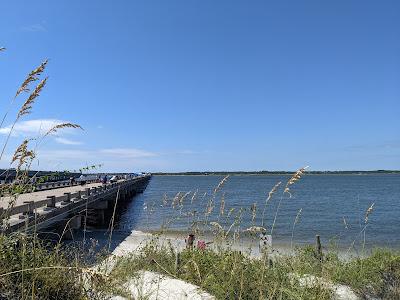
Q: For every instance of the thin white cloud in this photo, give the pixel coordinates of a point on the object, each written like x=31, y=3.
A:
x=127, y=152
x=188, y=152
x=34, y=28
x=32, y=127
x=66, y=141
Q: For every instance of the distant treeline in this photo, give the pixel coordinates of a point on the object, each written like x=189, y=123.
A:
x=278, y=172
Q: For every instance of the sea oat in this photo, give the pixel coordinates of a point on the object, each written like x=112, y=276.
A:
x=210, y=208
x=294, y=224
x=222, y=206
x=231, y=211
x=57, y=127
x=165, y=200
x=253, y=210
x=183, y=198
x=22, y=154
x=32, y=76
x=27, y=106
x=298, y=216
x=345, y=223
x=221, y=183
x=255, y=229
x=293, y=179
x=20, y=150
x=270, y=194
x=217, y=225
x=193, y=196
x=175, y=201
x=368, y=212
x=296, y=176
x=273, y=190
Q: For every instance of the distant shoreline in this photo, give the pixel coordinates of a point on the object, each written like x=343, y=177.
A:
x=378, y=172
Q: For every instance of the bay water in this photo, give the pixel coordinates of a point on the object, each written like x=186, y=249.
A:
x=332, y=206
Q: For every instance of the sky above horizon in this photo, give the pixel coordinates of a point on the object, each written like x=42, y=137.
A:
x=207, y=85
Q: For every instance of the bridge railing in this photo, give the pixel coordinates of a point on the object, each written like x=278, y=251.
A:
x=28, y=208
x=58, y=184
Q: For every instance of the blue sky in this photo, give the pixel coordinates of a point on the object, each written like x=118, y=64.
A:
x=208, y=85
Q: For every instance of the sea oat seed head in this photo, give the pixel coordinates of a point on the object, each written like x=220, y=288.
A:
x=221, y=183
x=368, y=212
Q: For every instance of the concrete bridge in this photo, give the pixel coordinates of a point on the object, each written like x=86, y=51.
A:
x=67, y=206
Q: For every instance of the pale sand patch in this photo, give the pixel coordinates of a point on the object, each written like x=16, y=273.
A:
x=340, y=292
x=151, y=285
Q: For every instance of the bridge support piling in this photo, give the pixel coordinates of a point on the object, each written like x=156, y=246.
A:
x=67, y=198
x=51, y=204
x=29, y=213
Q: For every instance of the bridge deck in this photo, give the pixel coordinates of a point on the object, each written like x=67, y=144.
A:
x=43, y=208
x=41, y=195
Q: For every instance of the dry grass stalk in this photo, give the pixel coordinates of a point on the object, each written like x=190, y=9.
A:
x=196, y=267
x=270, y=194
x=194, y=196
x=57, y=127
x=273, y=191
x=255, y=229
x=217, y=225
x=253, y=210
x=175, y=201
x=298, y=216
x=231, y=211
x=112, y=221
x=345, y=223
x=183, y=198
x=293, y=179
x=368, y=212
x=296, y=176
x=222, y=205
x=26, y=108
x=22, y=155
x=221, y=183
x=294, y=224
x=32, y=76
x=165, y=200
x=210, y=209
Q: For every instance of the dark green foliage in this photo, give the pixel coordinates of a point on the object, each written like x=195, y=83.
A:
x=39, y=279
x=377, y=274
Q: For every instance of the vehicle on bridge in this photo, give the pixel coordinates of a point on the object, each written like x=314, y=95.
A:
x=83, y=179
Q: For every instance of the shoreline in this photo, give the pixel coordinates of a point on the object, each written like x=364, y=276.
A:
x=126, y=243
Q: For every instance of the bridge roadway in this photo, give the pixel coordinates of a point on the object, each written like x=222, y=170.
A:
x=46, y=208
x=40, y=195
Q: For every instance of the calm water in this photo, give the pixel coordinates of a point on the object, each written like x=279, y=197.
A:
x=324, y=199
